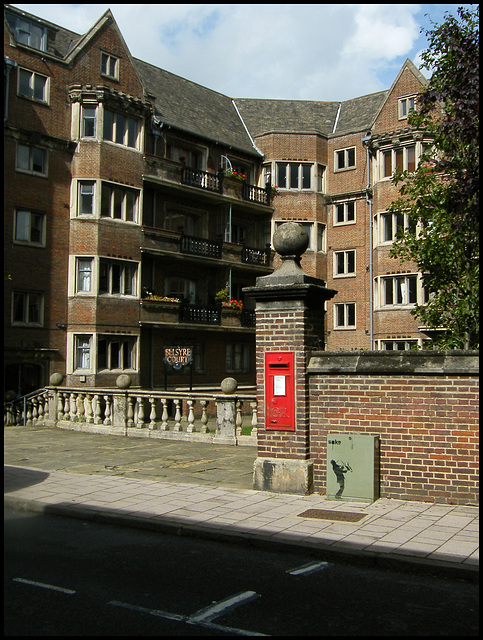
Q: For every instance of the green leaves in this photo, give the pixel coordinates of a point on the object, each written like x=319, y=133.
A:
x=442, y=195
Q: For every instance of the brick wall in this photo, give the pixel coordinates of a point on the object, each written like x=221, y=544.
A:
x=424, y=407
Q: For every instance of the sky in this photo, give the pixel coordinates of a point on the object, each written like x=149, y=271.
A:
x=326, y=52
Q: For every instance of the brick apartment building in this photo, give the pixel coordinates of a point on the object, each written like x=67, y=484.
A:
x=124, y=191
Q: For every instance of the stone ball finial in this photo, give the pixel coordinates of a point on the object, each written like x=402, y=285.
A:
x=123, y=381
x=229, y=385
x=290, y=239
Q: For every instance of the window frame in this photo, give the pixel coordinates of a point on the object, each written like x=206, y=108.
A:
x=398, y=160
x=123, y=283
x=346, y=151
x=109, y=58
x=84, y=275
x=346, y=260
x=30, y=95
x=20, y=28
x=112, y=131
x=402, y=106
x=348, y=309
x=83, y=351
x=294, y=175
x=126, y=356
x=110, y=194
x=27, y=298
x=237, y=357
x=346, y=219
x=31, y=213
x=31, y=151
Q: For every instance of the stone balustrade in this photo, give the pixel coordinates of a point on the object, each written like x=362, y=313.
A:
x=135, y=412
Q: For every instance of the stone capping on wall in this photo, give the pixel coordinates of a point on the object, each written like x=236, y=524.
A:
x=453, y=362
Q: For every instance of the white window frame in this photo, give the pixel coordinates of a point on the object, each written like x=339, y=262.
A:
x=346, y=308
x=346, y=159
x=116, y=344
x=346, y=259
x=26, y=226
x=400, y=289
x=84, y=275
x=394, y=159
x=405, y=106
x=381, y=226
x=119, y=132
x=125, y=280
x=26, y=32
x=31, y=160
x=346, y=208
x=85, y=119
x=86, y=189
x=82, y=355
x=294, y=170
x=112, y=188
x=33, y=80
x=107, y=61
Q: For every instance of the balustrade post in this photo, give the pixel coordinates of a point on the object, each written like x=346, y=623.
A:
x=81, y=411
x=177, y=416
x=130, y=412
x=107, y=414
x=164, y=414
x=191, y=417
x=89, y=413
x=140, y=413
x=152, y=414
x=204, y=417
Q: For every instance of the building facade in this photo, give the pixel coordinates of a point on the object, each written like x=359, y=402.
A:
x=139, y=205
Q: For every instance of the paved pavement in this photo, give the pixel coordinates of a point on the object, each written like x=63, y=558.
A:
x=205, y=490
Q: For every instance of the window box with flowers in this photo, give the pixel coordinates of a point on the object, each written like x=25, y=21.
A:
x=166, y=308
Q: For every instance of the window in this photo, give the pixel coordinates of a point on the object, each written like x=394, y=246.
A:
x=237, y=357
x=398, y=160
x=180, y=221
x=33, y=85
x=89, y=122
x=31, y=159
x=345, y=159
x=29, y=227
x=119, y=203
x=117, y=277
x=398, y=345
x=406, y=106
x=116, y=352
x=120, y=129
x=86, y=198
x=27, y=308
x=344, y=263
x=294, y=175
x=345, y=315
x=26, y=32
x=392, y=223
x=399, y=290
x=84, y=275
x=182, y=288
x=321, y=237
x=179, y=153
x=83, y=352
x=345, y=213
x=109, y=66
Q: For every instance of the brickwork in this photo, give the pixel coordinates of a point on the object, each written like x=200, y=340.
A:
x=428, y=428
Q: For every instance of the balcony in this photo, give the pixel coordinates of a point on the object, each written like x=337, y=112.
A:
x=170, y=312
x=226, y=185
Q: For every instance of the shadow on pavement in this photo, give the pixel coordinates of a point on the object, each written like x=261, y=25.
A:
x=15, y=478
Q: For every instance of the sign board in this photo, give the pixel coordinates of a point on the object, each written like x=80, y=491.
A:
x=178, y=357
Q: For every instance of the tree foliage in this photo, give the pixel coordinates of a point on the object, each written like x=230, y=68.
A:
x=441, y=196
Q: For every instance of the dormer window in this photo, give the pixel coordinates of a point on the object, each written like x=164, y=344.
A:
x=109, y=66
x=406, y=106
x=29, y=33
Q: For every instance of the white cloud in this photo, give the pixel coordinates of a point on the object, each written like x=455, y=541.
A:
x=292, y=51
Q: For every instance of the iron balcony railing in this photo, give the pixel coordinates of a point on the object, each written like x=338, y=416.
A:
x=214, y=182
x=201, y=247
x=198, y=314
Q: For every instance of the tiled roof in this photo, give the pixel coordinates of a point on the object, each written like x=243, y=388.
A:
x=359, y=113
x=263, y=116
x=190, y=107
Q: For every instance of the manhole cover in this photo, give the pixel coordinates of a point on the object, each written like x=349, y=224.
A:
x=329, y=514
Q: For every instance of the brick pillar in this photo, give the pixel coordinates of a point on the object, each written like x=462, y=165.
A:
x=289, y=320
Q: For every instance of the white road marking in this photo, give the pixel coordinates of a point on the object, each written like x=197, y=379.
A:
x=203, y=617
x=308, y=568
x=219, y=608
x=43, y=585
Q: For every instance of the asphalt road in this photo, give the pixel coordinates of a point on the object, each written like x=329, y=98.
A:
x=69, y=577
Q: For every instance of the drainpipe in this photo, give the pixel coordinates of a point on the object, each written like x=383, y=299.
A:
x=9, y=65
x=366, y=141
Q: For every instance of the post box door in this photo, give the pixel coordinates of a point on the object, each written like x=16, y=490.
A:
x=279, y=391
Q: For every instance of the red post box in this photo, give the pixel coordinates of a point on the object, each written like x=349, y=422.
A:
x=279, y=391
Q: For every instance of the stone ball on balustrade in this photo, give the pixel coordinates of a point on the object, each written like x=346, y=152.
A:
x=229, y=385
x=56, y=379
x=123, y=381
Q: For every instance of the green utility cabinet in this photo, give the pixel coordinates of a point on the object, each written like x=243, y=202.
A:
x=352, y=467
